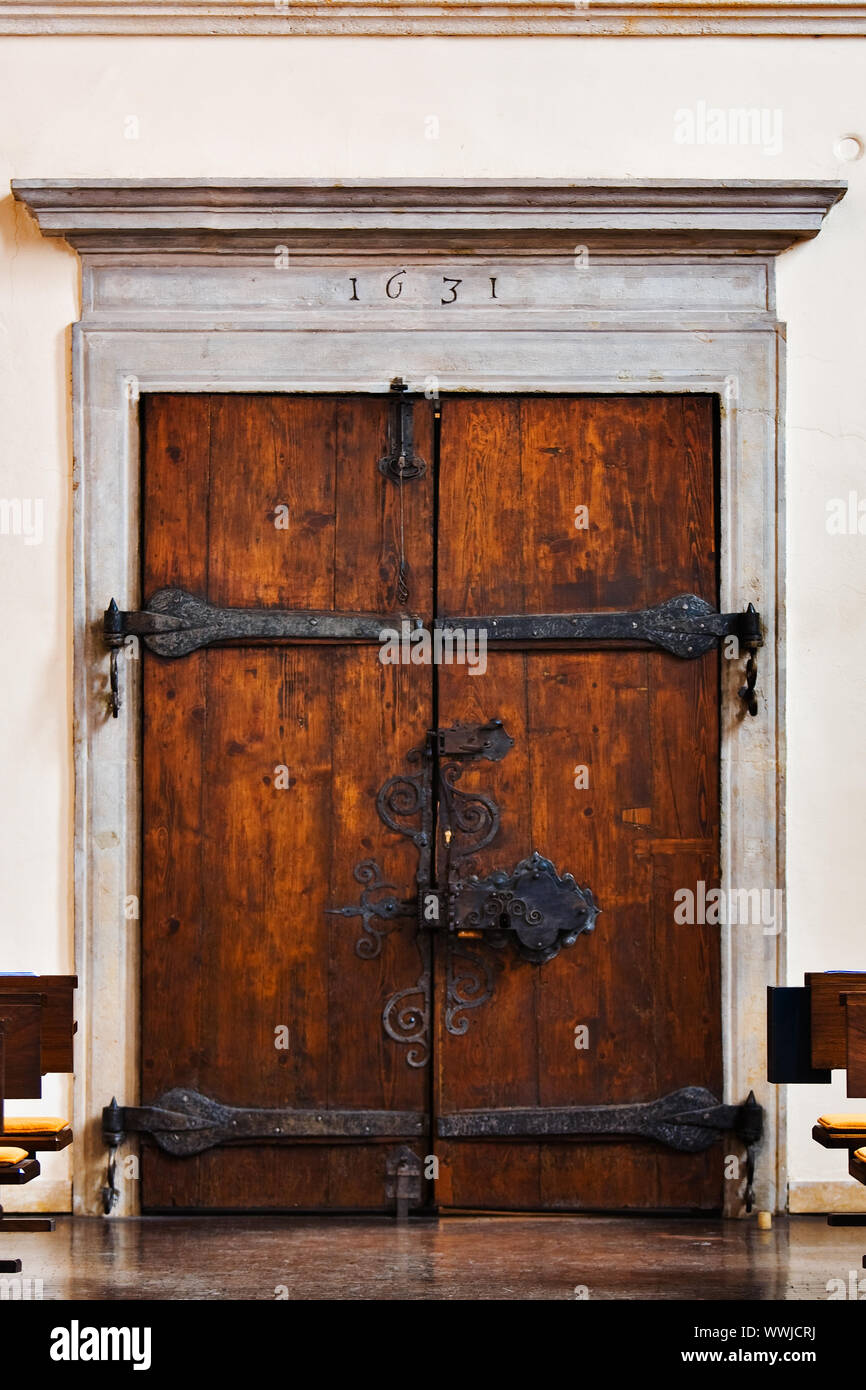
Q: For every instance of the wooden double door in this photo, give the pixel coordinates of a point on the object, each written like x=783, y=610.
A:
x=338, y=1041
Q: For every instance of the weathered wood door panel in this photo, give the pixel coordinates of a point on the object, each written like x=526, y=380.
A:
x=644, y=726
x=262, y=766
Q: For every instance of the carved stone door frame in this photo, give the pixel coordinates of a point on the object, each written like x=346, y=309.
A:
x=484, y=286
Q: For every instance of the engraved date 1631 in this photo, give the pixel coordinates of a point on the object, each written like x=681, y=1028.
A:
x=393, y=287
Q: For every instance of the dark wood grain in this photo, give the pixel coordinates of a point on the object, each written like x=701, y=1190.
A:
x=855, y=1027
x=262, y=766
x=175, y=506
x=21, y=1055
x=645, y=726
x=829, y=1036
x=58, y=1024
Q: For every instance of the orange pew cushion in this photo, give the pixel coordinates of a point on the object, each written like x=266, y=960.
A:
x=34, y=1124
x=10, y=1157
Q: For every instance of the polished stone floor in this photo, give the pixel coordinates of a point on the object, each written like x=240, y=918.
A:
x=457, y=1257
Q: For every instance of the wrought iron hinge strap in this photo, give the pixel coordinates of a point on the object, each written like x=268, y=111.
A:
x=174, y=623
x=688, y=1120
x=184, y=1122
x=686, y=626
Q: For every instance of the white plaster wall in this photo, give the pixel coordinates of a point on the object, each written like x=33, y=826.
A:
x=544, y=107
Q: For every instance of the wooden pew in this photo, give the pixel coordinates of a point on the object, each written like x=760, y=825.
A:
x=838, y=1023
x=36, y=1037
x=15, y=1168
x=812, y=1031
x=58, y=1023
x=837, y=1000
x=857, y=1168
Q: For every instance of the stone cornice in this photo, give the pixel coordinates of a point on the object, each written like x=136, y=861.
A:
x=235, y=216
x=515, y=18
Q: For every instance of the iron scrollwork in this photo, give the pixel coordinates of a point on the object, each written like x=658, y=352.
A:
x=406, y=1015
x=470, y=979
x=532, y=907
x=387, y=909
x=468, y=821
x=405, y=804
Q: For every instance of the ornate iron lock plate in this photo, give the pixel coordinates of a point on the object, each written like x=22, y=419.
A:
x=531, y=906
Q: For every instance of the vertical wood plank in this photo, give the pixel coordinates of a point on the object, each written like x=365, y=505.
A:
x=175, y=486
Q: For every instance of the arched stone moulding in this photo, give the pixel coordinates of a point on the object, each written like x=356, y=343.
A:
x=390, y=18
x=230, y=285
